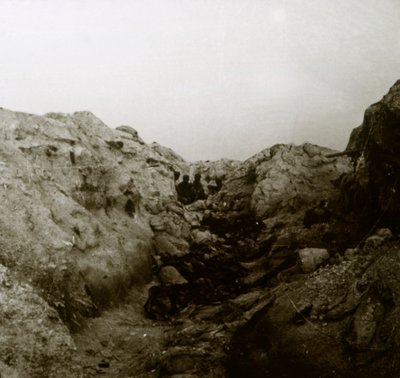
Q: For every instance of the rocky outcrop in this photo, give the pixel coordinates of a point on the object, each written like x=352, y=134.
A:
x=338, y=319
x=286, y=196
x=32, y=335
x=82, y=195
x=374, y=185
x=81, y=206
x=337, y=322
x=274, y=256
x=245, y=243
x=283, y=178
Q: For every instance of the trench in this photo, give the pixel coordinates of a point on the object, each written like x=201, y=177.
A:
x=183, y=329
x=205, y=310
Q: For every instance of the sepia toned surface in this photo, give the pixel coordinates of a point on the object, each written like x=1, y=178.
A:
x=248, y=241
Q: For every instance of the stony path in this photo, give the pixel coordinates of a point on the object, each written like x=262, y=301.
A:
x=193, y=341
x=122, y=342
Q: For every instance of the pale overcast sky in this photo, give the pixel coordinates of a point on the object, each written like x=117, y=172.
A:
x=208, y=78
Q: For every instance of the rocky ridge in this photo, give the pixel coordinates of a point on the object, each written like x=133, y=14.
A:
x=340, y=320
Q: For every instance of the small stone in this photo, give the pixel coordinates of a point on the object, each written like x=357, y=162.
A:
x=350, y=252
x=157, y=223
x=169, y=275
x=103, y=364
x=384, y=233
x=312, y=258
x=373, y=242
x=202, y=237
x=129, y=130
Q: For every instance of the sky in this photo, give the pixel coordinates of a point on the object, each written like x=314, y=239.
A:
x=208, y=78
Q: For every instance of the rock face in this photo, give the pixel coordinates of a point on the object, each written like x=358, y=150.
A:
x=282, y=178
x=78, y=204
x=81, y=194
x=374, y=148
x=32, y=336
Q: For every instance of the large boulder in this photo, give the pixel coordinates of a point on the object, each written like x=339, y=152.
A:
x=283, y=179
x=289, y=178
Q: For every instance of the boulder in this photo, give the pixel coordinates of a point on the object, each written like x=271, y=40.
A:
x=286, y=184
x=202, y=237
x=130, y=131
x=373, y=242
x=169, y=275
x=167, y=246
x=381, y=236
x=289, y=178
x=384, y=233
x=312, y=258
